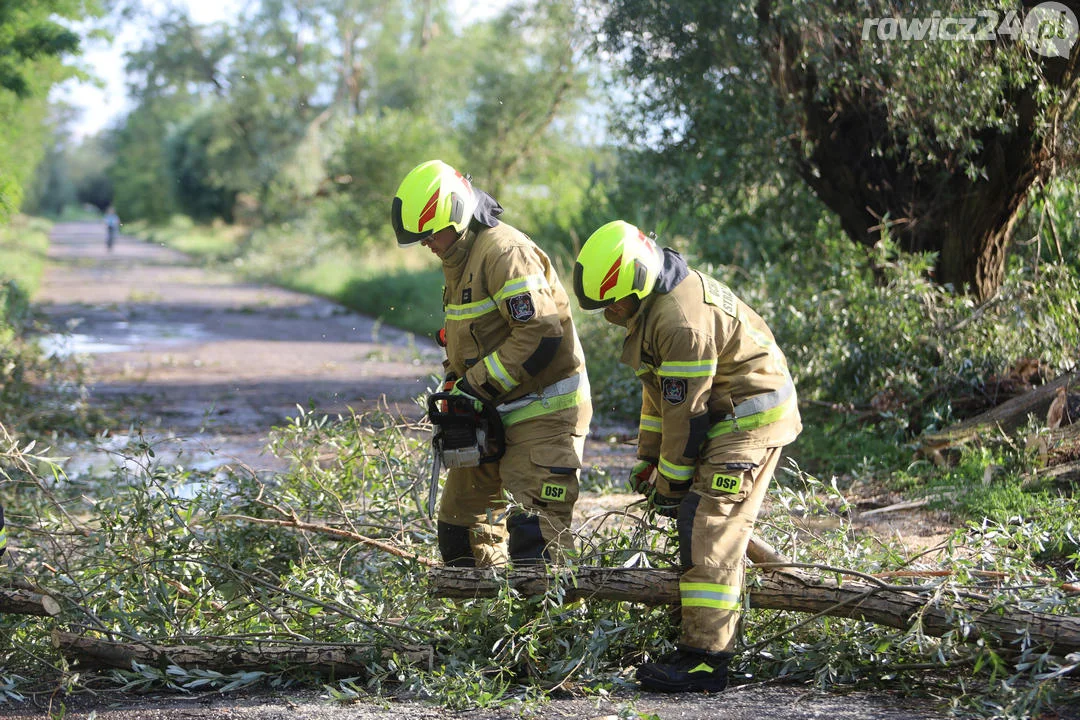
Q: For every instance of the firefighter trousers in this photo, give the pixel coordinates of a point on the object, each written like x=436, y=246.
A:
x=538, y=474
x=715, y=522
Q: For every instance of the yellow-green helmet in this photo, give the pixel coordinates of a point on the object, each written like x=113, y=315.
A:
x=432, y=196
x=617, y=261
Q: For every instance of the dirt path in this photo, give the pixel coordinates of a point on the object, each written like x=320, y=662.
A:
x=208, y=364
x=197, y=355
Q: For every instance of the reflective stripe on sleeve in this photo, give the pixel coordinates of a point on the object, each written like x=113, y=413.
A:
x=470, y=311
x=650, y=423
x=695, y=368
x=498, y=371
x=710, y=595
x=520, y=285
x=676, y=472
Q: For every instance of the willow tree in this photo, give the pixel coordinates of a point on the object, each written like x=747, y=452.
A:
x=927, y=121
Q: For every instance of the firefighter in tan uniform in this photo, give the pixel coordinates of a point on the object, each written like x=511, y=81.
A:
x=718, y=405
x=511, y=342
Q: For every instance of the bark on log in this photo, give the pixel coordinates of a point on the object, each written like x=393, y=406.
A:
x=27, y=602
x=883, y=604
x=342, y=660
x=1065, y=478
x=1008, y=416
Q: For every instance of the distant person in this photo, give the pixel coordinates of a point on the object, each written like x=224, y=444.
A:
x=717, y=406
x=112, y=227
x=510, y=342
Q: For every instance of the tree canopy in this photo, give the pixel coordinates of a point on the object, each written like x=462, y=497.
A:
x=33, y=49
x=931, y=139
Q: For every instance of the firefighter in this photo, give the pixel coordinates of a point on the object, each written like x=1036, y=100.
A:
x=510, y=341
x=717, y=406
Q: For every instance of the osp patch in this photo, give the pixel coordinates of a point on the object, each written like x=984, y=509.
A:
x=551, y=491
x=674, y=390
x=521, y=307
x=730, y=484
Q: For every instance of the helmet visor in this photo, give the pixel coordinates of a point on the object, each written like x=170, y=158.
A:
x=586, y=302
x=405, y=237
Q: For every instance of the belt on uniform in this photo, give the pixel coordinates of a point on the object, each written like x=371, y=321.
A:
x=758, y=411
x=565, y=393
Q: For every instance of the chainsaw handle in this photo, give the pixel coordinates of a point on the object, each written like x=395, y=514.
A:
x=458, y=405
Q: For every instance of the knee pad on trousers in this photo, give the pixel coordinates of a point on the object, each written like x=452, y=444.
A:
x=454, y=545
x=526, y=544
x=687, y=512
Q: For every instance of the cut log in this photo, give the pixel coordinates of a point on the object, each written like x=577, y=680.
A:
x=1062, y=443
x=1065, y=478
x=889, y=605
x=27, y=602
x=341, y=660
x=1007, y=417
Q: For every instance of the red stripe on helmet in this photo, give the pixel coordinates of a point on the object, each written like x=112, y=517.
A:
x=428, y=213
x=610, y=278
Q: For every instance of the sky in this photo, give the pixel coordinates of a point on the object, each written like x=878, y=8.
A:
x=100, y=106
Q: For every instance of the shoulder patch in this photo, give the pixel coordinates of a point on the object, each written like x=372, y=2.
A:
x=521, y=307
x=674, y=390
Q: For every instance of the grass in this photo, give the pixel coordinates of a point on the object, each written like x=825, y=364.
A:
x=41, y=396
x=215, y=242
x=24, y=243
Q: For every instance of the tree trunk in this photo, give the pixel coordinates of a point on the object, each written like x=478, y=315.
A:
x=341, y=660
x=926, y=206
x=889, y=605
x=1006, y=417
x=1064, y=479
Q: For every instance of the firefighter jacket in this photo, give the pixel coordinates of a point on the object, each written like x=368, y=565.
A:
x=509, y=331
x=712, y=375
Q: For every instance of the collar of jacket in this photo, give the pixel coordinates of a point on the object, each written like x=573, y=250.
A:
x=487, y=211
x=673, y=272
x=485, y=216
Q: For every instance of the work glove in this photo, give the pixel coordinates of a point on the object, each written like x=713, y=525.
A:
x=642, y=478
x=667, y=503
x=462, y=387
x=664, y=505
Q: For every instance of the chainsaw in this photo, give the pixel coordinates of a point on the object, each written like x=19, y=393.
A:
x=461, y=437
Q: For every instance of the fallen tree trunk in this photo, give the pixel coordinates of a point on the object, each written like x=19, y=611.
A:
x=883, y=604
x=342, y=660
x=1006, y=417
x=1064, y=478
x=27, y=602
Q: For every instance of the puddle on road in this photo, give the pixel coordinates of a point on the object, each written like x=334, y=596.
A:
x=197, y=463
x=120, y=336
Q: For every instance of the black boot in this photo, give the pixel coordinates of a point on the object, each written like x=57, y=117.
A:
x=686, y=670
